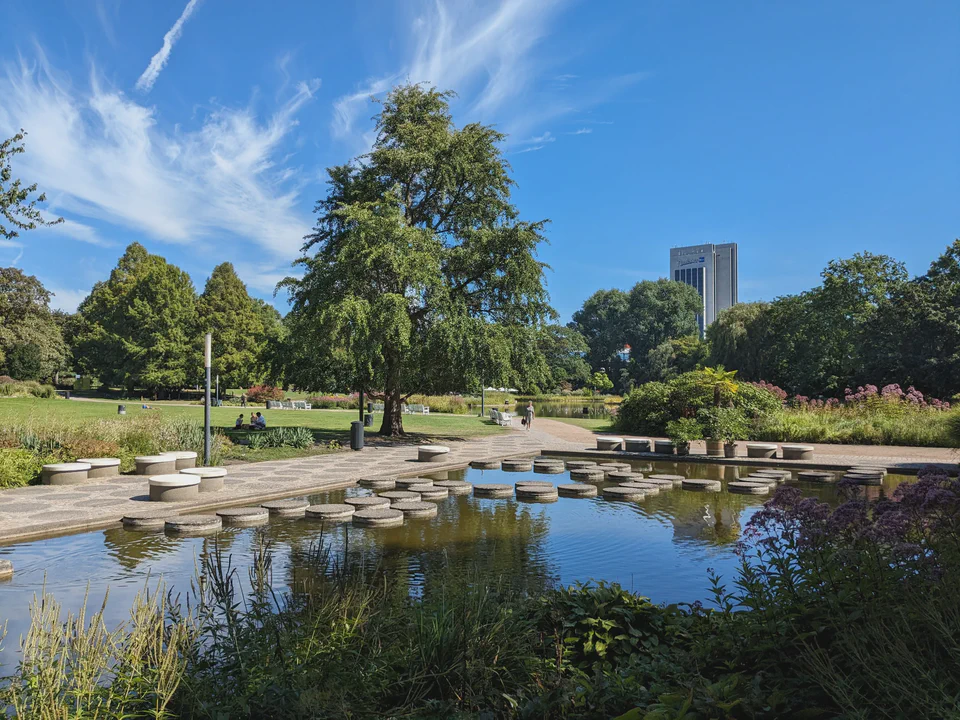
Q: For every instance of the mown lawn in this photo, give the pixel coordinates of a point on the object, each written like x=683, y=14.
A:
x=598, y=425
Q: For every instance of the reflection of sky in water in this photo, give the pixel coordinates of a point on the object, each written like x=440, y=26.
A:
x=660, y=547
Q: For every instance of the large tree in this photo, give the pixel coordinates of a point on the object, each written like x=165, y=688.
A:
x=31, y=342
x=600, y=322
x=139, y=328
x=17, y=210
x=736, y=339
x=237, y=325
x=565, y=351
x=420, y=276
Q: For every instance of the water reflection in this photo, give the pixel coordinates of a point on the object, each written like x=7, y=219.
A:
x=660, y=547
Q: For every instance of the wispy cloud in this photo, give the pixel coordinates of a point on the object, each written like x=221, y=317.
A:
x=66, y=299
x=530, y=149
x=12, y=245
x=545, y=138
x=159, y=61
x=103, y=156
x=581, y=131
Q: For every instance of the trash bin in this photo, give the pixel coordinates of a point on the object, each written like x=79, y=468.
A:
x=356, y=435
x=368, y=420
x=121, y=409
x=369, y=407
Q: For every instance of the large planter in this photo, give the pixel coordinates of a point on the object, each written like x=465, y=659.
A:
x=683, y=448
x=715, y=448
x=730, y=450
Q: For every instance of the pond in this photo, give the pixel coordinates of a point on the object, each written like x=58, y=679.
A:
x=660, y=547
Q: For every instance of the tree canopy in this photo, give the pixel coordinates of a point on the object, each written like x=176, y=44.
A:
x=17, y=210
x=420, y=276
x=31, y=342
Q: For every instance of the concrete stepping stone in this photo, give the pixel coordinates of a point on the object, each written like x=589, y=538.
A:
x=864, y=479
x=549, y=468
x=859, y=468
x=75, y=473
x=701, y=485
x=677, y=480
x=535, y=491
x=648, y=488
x=797, y=452
x=244, y=516
x=579, y=490
x=588, y=474
x=485, y=464
x=184, y=458
x=636, y=444
x=378, y=517
x=819, y=476
x=580, y=464
x=622, y=476
x=404, y=483
x=762, y=479
x=416, y=509
x=761, y=450
x=618, y=492
x=174, y=487
x=211, y=478
x=156, y=465
x=534, y=483
x=547, y=460
x=455, y=487
x=432, y=453
x=493, y=490
x=378, y=483
x=662, y=484
x=429, y=492
x=150, y=519
x=6, y=569
x=395, y=496
x=439, y=475
x=101, y=467
x=664, y=447
x=747, y=488
x=773, y=475
x=286, y=508
x=609, y=442
x=330, y=512
x=193, y=525
x=367, y=501
x=516, y=465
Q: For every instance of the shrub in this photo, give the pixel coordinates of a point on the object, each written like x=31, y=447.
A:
x=262, y=393
x=684, y=430
x=645, y=409
x=89, y=447
x=20, y=467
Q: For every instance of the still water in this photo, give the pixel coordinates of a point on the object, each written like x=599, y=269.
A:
x=660, y=547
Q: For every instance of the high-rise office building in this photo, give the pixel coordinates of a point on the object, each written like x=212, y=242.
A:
x=712, y=271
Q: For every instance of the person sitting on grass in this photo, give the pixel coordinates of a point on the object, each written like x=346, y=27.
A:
x=259, y=422
x=239, y=424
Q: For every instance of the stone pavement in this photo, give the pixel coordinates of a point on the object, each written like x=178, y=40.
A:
x=43, y=510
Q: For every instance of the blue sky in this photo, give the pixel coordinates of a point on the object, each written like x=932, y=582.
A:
x=804, y=131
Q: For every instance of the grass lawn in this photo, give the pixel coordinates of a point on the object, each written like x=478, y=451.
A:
x=597, y=425
x=326, y=425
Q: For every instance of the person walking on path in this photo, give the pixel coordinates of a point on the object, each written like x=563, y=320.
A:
x=528, y=415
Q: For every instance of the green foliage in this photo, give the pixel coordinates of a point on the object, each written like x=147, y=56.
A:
x=20, y=467
x=564, y=350
x=139, y=328
x=17, y=210
x=31, y=342
x=16, y=388
x=422, y=277
x=24, y=362
x=684, y=430
x=599, y=321
x=237, y=326
x=599, y=382
x=727, y=424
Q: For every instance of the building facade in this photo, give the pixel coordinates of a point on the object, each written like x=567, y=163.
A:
x=712, y=271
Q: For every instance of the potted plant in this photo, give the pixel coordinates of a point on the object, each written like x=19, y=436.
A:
x=682, y=432
x=728, y=425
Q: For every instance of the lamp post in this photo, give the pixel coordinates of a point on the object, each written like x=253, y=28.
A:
x=206, y=405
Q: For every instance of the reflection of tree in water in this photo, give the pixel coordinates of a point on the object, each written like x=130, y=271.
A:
x=131, y=549
x=707, y=516
x=487, y=542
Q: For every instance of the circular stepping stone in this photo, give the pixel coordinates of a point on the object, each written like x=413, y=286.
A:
x=378, y=483
x=747, y=488
x=762, y=479
x=766, y=476
x=152, y=519
x=536, y=491
x=648, y=488
x=677, y=480
x=6, y=569
x=330, y=512
x=156, y=464
x=625, y=466
x=516, y=465
x=588, y=474
x=367, y=501
x=74, y=473
x=702, y=485
x=432, y=453
x=547, y=460
x=636, y=444
x=485, y=464
x=211, y=478
x=455, y=487
x=577, y=490
x=819, y=476
x=175, y=487
x=286, y=508
x=865, y=473
x=663, y=447
x=439, y=475
x=864, y=479
x=244, y=516
x=378, y=517
x=183, y=458
x=549, y=468
x=415, y=508
x=534, y=483
x=773, y=472
x=797, y=452
x=101, y=467
x=580, y=464
x=609, y=442
x=193, y=525
x=858, y=468
x=662, y=484
x=493, y=490
x=429, y=492
x=618, y=492
x=622, y=476
x=405, y=483
x=395, y=496
x=761, y=450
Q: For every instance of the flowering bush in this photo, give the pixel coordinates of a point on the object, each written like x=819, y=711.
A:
x=262, y=393
x=772, y=389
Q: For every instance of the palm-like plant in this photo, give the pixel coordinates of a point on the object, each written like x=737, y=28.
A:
x=721, y=380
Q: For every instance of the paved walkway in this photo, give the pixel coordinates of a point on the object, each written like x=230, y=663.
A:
x=43, y=510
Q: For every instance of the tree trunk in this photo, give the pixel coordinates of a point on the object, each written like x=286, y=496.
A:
x=392, y=425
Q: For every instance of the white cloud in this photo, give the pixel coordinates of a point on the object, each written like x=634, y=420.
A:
x=65, y=299
x=159, y=61
x=530, y=149
x=105, y=157
x=545, y=138
x=581, y=131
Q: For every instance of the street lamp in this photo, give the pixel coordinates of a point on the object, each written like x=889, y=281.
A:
x=206, y=406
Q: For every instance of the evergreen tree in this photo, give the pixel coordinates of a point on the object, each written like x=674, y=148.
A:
x=31, y=342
